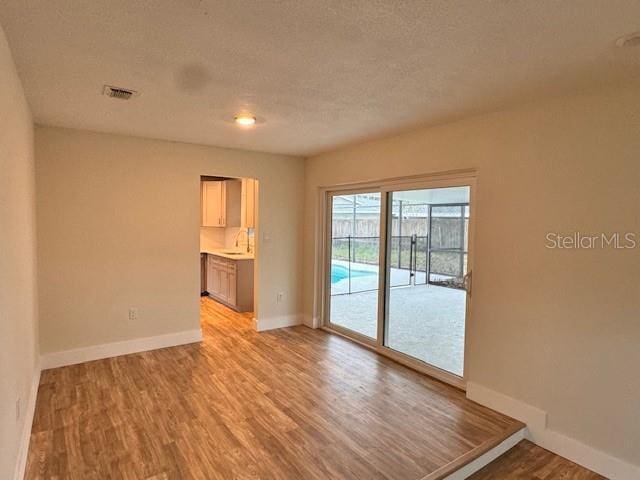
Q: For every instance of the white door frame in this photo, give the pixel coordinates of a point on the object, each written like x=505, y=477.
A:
x=323, y=262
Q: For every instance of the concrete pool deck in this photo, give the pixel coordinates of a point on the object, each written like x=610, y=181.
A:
x=425, y=321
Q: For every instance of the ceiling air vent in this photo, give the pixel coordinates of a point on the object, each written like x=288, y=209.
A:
x=117, y=92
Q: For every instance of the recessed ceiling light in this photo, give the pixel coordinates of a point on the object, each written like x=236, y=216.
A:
x=244, y=119
x=631, y=40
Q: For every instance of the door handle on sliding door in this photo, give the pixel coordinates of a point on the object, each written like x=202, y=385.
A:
x=466, y=282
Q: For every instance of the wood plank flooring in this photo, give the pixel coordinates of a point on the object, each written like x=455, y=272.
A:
x=527, y=461
x=292, y=403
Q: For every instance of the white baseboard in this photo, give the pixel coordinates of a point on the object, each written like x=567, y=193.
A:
x=23, y=448
x=263, y=324
x=488, y=457
x=533, y=417
x=97, y=352
x=537, y=431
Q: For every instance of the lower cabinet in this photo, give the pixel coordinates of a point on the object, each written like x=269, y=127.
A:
x=223, y=291
x=231, y=294
x=230, y=282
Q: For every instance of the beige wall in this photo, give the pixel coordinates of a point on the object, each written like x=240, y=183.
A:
x=118, y=227
x=18, y=313
x=556, y=329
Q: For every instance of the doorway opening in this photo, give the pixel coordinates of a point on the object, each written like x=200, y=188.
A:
x=228, y=254
x=398, y=271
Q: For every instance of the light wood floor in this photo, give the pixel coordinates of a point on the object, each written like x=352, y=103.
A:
x=293, y=403
x=527, y=461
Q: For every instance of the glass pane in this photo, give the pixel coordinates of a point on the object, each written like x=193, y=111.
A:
x=355, y=250
x=426, y=314
x=450, y=231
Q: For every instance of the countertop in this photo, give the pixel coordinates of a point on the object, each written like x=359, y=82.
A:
x=224, y=253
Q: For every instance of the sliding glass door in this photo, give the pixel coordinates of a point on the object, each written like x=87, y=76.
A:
x=426, y=318
x=399, y=271
x=355, y=259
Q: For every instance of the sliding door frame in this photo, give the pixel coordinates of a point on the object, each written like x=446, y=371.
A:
x=322, y=282
x=328, y=242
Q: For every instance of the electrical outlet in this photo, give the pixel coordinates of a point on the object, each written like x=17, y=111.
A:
x=279, y=297
x=133, y=313
x=18, y=408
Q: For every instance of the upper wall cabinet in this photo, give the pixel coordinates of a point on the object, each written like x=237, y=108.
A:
x=249, y=195
x=213, y=204
x=221, y=203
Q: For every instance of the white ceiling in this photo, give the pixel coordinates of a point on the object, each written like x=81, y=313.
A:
x=319, y=73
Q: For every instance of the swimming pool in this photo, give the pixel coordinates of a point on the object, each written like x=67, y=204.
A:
x=338, y=272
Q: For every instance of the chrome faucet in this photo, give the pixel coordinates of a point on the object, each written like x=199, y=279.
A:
x=237, y=240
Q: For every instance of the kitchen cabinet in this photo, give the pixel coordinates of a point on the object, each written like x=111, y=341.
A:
x=223, y=290
x=213, y=201
x=230, y=282
x=248, y=202
x=221, y=203
x=233, y=286
x=213, y=277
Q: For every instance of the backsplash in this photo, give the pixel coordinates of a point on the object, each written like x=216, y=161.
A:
x=212, y=238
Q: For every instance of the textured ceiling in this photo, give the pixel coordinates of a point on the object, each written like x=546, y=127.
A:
x=318, y=74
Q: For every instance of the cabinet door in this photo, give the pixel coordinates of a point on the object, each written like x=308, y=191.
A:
x=216, y=281
x=231, y=298
x=213, y=204
x=208, y=210
x=213, y=278
x=224, y=284
x=222, y=203
x=233, y=203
